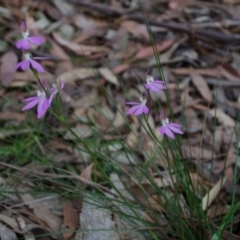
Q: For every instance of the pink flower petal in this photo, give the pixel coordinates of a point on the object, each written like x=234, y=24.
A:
x=62, y=84
x=18, y=65
x=133, y=109
x=23, y=43
x=37, y=66
x=42, y=107
x=175, y=125
x=174, y=129
x=169, y=133
x=29, y=99
x=51, y=98
x=139, y=110
x=145, y=110
x=25, y=64
x=31, y=104
x=162, y=130
x=152, y=87
x=36, y=40
x=132, y=103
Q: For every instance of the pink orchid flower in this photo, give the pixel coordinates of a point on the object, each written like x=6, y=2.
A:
x=56, y=87
x=138, y=108
x=154, y=85
x=25, y=64
x=25, y=42
x=41, y=100
x=169, y=128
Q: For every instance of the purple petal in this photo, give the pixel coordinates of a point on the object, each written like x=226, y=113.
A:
x=145, y=110
x=151, y=87
x=175, y=125
x=37, y=66
x=18, y=65
x=139, y=110
x=44, y=83
x=62, y=84
x=174, y=129
x=133, y=109
x=29, y=99
x=36, y=40
x=132, y=103
x=25, y=64
x=53, y=90
x=51, y=98
x=23, y=43
x=31, y=104
x=155, y=87
x=162, y=130
x=169, y=133
x=42, y=107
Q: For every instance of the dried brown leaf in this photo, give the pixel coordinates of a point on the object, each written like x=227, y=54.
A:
x=7, y=70
x=70, y=219
x=80, y=130
x=42, y=212
x=108, y=75
x=56, y=50
x=82, y=50
x=212, y=194
x=12, y=116
x=222, y=117
x=77, y=73
x=136, y=29
x=148, y=51
x=87, y=172
x=201, y=85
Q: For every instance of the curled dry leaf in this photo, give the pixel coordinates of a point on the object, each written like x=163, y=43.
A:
x=8, y=60
x=82, y=50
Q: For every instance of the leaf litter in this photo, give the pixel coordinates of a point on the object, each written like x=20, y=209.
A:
x=98, y=47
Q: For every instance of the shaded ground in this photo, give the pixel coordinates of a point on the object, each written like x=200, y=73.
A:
x=102, y=50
